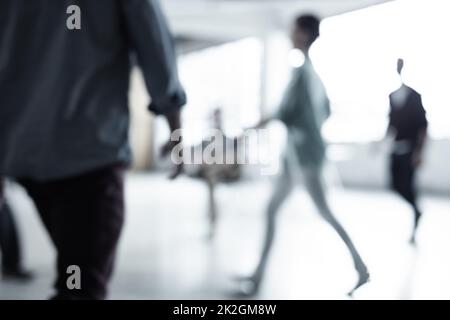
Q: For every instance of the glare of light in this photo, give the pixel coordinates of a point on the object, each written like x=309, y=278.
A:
x=296, y=58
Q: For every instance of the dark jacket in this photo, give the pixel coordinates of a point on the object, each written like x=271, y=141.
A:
x=409, y=120
x=64, y=93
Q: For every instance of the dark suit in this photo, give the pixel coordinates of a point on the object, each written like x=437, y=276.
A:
x=407, y=122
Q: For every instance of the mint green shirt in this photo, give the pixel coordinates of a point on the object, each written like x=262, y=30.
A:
x=304, y=109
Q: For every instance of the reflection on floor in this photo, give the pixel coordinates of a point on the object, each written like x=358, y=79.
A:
x=164, y=253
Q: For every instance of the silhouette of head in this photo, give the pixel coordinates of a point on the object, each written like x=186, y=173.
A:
x=306, y=31
x=400, y=64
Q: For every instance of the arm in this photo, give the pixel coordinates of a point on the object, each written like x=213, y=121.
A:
x=390, y=131
x=382, y=144
x=153, y=45
x=327, y=108
x=421, y=137
x=2, y=192
x=417, y=157
x=151, y=41
x=263, y=122
x=422, y=140
x=286, y=108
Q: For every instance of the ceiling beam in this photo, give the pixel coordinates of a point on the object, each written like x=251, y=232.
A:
x=229, y=19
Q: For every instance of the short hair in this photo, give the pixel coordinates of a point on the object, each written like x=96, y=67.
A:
x=309, y=23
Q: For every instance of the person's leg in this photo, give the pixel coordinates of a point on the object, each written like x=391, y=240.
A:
x=417, y=211
x=402, y=178
x=212, y=206
x=282, y=189
x=394, y=167
x=9, y=240
x=410, y=194
x=209, y=174
x=12, y=267
x=43, y=201
x=403, y=182
x=316, y=189
x=84, y=216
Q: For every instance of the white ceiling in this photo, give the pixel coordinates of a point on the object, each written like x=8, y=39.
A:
x=228, y=19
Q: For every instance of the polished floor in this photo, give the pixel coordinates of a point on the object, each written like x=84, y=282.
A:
x=165, y=253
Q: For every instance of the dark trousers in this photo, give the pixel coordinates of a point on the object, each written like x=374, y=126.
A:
x=9, y=240
x=403, y=175
x=83, y=216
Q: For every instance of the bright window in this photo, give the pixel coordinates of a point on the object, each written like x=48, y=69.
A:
x=356, y=58
x=225, y=77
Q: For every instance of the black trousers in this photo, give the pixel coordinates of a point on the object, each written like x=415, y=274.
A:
x=9, y=240
x=403, y=175
x=83, y=216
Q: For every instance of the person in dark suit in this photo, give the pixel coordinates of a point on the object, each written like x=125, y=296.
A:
x=12, y=268
x=64, y=118
x=408, y=126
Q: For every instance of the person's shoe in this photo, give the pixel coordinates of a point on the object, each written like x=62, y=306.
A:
x=19, y=275
x=413, y=241
x=364, y=277
x=248, y=287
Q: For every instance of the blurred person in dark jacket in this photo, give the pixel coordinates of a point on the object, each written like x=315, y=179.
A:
x=12, y=268
x=64, y=118
x=408, y=127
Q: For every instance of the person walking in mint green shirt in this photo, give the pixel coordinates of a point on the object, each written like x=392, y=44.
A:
x=304, y=109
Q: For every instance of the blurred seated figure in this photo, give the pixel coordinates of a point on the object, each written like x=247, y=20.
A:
x=12, y=268
x=213, y=173
x=408, y=127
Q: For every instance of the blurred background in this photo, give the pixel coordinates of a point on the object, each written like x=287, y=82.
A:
x=236, y=55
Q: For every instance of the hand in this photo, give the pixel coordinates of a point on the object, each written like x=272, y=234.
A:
x=174, y=122
x=165, y=151
x=417, y=159
x=260, y=124
x=246, y=129
x=167, y=148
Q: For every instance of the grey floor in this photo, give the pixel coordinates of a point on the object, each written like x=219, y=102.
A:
x=164, y=253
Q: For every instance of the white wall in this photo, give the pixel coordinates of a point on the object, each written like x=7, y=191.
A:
x=231, y=19
x=359, y=165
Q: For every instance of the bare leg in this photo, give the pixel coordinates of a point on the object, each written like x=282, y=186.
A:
x=212, y=206
x=282, y=189
x=315, y=188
